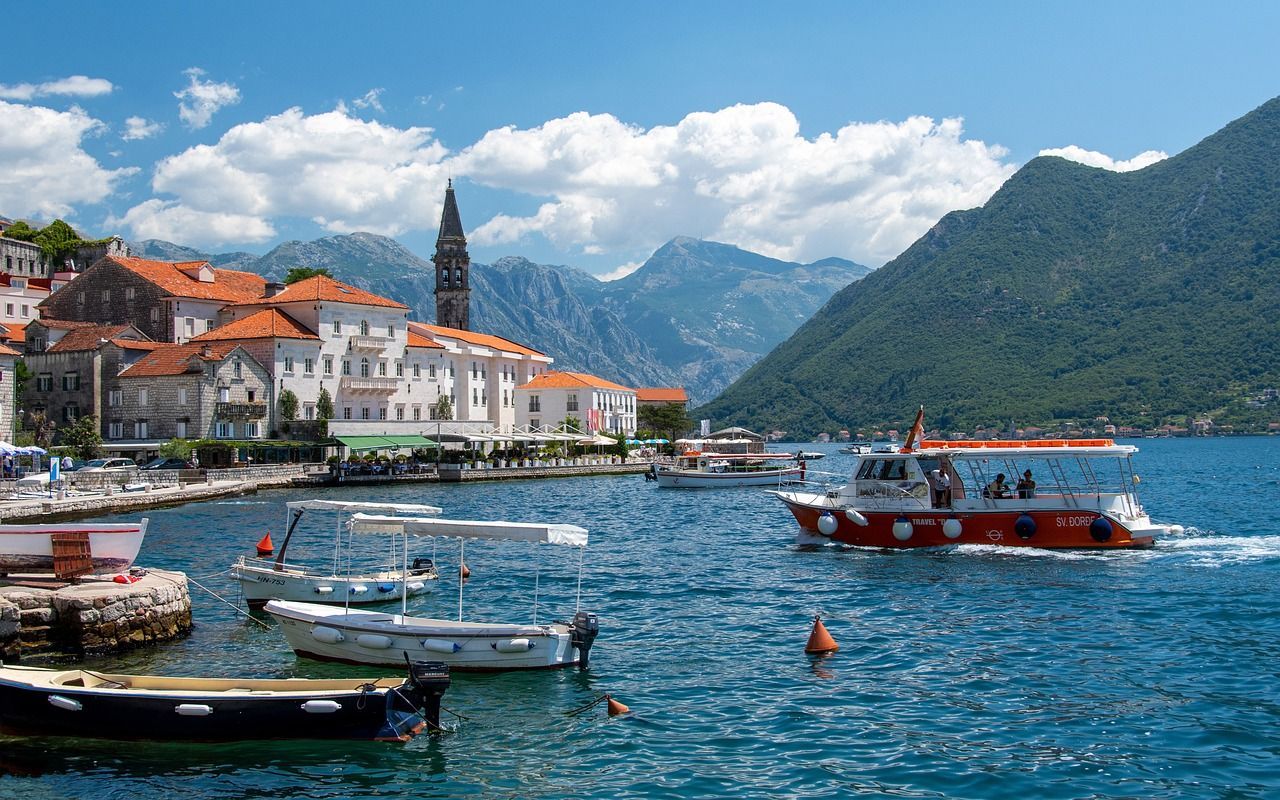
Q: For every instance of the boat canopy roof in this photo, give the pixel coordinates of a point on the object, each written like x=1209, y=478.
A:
x=1025, y=448
x=551, y=533
x=355, y=507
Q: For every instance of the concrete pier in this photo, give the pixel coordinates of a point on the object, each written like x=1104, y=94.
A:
x=39, y=614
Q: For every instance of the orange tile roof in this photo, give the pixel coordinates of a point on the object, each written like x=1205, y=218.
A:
x=471, y=337
x=571, y=380
x=662, y=395
x=269, y=323
x=137, y=344
x=229, y=285
x=86, y=337
x=13, y=332
x=6, y=350
x=418, y=340
x=322, y=287
x=61, y=324
x=176, y=359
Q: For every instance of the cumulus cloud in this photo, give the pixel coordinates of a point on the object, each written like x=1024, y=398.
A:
x=139, y=128
x=621, y=272
x=743, y=174
x=75, y=86
x=1092, y=158
x=370, y=100
x=44, y=171
x=201, y=99
x=342, y=172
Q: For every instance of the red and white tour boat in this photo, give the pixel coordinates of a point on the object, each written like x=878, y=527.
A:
x=1056, y=493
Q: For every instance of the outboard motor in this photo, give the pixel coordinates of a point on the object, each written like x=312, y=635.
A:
x=427, y=682
x=582, y=633
x=422, y=566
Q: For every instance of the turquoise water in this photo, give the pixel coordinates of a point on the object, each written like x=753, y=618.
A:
x=969, y=673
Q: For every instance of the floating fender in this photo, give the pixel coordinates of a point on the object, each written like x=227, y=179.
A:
x=65, y=703
x=359, y=589
x=1100, y=529
x=513, y=646
x=193, y=710
x=902, y=529
x=1024, y=526
x=386, y=587
x=855, y=517
x=322, y=633
x=321, y=706
x=416, y=586
x=324, y=590
x=827, y=523
x=440, y=646
x=374, y=641
x=951, y=528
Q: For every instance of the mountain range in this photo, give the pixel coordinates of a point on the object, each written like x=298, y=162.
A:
x=695, y=314
x=1073, y=293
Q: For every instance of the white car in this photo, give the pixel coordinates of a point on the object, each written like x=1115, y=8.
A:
x=109, y=465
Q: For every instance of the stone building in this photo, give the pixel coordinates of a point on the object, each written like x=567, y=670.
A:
x=167, y=301
x=599, y=404
x=28, y=258
x=8, y=392
x=453, y=268
x=72, y=363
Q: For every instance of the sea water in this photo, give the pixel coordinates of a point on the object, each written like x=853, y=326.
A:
x=971, y=672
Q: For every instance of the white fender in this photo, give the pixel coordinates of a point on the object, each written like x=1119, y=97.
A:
x=902, y=529
x=193, y=710
x=513, y=646
x=324, y=590
x=374, y=641
x=65, y=703
x=951, y=528
x=416, y=586
x=827, y=523
x=440, y=646
x=855, y=517
x=322, y=633
x=321, y=706
x=359, y=589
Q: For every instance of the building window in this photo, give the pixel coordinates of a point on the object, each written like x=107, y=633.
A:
x=535, y=423
x=399, y=412
x=180, y=429
x=484, y=397
x=444, y=277
x=308, y=366
x=399, y=369
x=26, y=311
x=431, y=371
x=346, y=367
x=328, y=365
x=382, y=369
x=391, y=331
x=155, y=314
x=224, y=394
x=106, y=295
x=346, y=412
x=44, y=382
x=382, y=412
x=222, y=430
x=417, y=413
x=8, y=309
x=208, y=325
x=288, y=364
x=251, y=430
x=504, y=398
x=142, y=397
x=130, y=292
x=534, y=404
x=115, y=397
x=252, y=395
x=572, y=403
x=309, y=411
x=70, y=412
x=115, y=430
x=364, y=412
x=191, y=327
x=237, y=369
x=337, y=327
x=182, y=396
x=417, y=370
x=473, y=370
x=364, y=368
x=142, y=429
x=80, y=300
x=71, y=381
x=475, y=396
x=364, y=327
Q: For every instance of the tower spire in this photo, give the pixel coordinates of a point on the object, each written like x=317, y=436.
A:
x=453, y=267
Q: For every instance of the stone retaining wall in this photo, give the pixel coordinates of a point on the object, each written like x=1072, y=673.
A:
x=94, y=617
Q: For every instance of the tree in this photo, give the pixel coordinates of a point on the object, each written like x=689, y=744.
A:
x=21, y=231
x=41, y=429
x=21, y=374
x=288, y=406
x=176, y=448
x=444, y=408
x=571, y=423
x=84, y=437
x=669, y=418
x=324, y=405
x=302, y=273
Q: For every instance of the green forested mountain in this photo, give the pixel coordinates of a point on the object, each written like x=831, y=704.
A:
x=1074, y=292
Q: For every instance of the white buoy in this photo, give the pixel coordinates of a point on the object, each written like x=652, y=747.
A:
x=951, y=528
x=827, y=524
x=902, y=529
x=855, y=517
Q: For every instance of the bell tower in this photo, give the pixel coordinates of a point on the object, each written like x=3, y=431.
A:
x=453, y=268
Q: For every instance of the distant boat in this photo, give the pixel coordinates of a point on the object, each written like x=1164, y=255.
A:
x=856, y=448
x=100, y=546
x=695, y=470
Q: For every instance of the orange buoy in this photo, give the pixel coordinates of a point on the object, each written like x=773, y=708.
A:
x=820, y=642
x=616, y=708
x=465, y=571
x=265, y=547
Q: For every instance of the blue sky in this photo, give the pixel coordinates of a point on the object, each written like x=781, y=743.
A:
x=589, y=134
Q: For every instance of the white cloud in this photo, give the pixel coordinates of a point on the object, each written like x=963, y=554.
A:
x=138, y=128
x=344, y=173
x=1092, y=158
x=200, y=100
x=370, y=100
x=621, y=272
x=74, y=85
x=44, y=171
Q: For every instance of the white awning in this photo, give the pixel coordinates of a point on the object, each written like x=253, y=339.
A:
x=551, y=533
x=354, y=506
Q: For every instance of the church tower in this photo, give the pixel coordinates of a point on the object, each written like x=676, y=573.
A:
x=453, y=268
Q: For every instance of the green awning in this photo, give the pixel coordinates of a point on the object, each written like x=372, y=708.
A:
x=361, y=444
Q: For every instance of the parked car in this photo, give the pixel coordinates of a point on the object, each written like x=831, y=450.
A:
x=76, y=465
x=109, y=465
x=172, y=462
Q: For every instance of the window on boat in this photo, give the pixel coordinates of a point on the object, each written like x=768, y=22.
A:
x=869, y=469
x=894, y=470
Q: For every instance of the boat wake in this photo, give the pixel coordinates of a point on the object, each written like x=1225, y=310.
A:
x=1209, y=548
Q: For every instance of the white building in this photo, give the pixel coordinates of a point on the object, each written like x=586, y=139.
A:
x=599, y=405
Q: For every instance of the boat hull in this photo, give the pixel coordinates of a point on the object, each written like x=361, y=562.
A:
x=696, y=479
x=29, y=548
x=1063, y=528
x=229, y=715
x=357, y=636
x=260, y=583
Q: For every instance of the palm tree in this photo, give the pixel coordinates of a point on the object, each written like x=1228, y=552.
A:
x=41, y=429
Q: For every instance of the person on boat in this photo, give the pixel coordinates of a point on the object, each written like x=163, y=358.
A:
x=940, y=482
x=1026, y=486
x=997, y=488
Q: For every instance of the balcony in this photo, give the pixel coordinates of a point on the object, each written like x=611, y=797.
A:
x=240, y=410
x=350, y=383
x=370, y=343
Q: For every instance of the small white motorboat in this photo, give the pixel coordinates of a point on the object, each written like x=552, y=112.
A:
x=275, y=579
x=697, y=470
x=358, y=636
x=94, y=547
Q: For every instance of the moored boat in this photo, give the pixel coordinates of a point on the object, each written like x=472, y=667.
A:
x=1069, y=494
x=108, y=547
x=367, y=637
x=78, y=702
x=697, y=470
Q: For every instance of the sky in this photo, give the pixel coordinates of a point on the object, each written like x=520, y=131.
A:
x=591, y=133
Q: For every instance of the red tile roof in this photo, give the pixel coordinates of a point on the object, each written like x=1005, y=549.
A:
x=13, y=332
x=177, y=359
x=6, y=350
x=269, y=323
x=62, y=324
x=87, y=337
x=662, y=395
x=471, y=337
x=571, y=380
x=322, y=287
x=418, y=340
x=178, y=279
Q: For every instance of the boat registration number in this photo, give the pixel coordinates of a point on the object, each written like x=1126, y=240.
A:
x=274, y=581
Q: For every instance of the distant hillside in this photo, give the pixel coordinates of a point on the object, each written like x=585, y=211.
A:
x=1074, y=292
x=696, y=314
